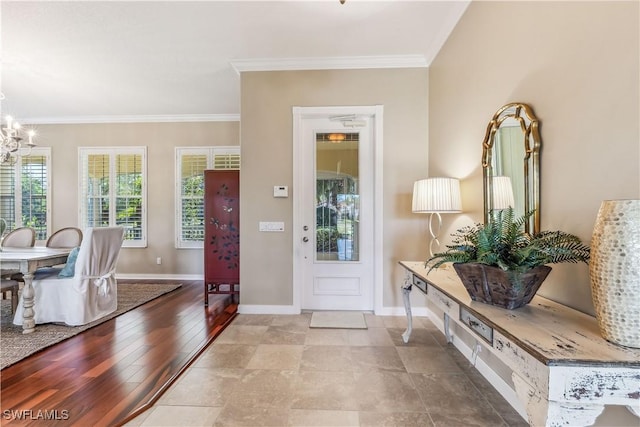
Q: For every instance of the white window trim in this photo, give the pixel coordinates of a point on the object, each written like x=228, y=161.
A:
x=210, y=152
x=112, y=152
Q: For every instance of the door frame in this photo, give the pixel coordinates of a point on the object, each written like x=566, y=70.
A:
x=376, y=114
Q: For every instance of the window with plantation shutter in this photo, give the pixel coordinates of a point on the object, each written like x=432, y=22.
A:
x=113, y=191
x=191, y=162
x=25, y=192
x=226, y=161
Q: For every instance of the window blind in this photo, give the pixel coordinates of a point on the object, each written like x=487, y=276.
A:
x=113, y=190
x=34, y=187
x=25, y=192
x=8, y=195
x=128, y=195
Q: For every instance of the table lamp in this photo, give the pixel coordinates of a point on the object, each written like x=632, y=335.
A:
x=502, y=193
x=435, y=196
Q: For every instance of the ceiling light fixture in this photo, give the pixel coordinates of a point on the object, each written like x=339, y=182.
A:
x=336, y=137
x=11, y=141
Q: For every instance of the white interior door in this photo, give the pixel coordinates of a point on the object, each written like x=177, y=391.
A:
x=335, y=201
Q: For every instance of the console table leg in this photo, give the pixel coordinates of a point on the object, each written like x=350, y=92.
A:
x=635, y=410
x=447, y=329
x=477, y=348
x=544, y=412
x=534, y=404
x=564, y=414
x=406, y=293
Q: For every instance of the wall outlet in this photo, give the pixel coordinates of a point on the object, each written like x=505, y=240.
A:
x=159, y=260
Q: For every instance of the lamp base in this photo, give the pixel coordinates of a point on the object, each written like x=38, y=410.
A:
x=434, y=234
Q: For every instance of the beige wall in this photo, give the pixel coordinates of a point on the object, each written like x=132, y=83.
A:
x=160, y=140
x=576, y=64
x=267, y=99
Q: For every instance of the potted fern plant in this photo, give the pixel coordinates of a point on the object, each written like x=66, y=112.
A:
x=502, y=265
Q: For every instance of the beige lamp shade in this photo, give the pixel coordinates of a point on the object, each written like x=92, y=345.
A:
x=436, y=196
x=502, y=193
x=433, y=195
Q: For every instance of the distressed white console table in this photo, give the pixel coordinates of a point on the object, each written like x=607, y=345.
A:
x=563, y=371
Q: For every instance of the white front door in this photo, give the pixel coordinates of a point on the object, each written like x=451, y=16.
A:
x=335, y=200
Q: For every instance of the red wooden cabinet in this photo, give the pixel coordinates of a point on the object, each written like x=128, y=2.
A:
x=221, y=232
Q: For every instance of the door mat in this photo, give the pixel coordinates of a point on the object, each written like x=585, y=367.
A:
x=338, y=320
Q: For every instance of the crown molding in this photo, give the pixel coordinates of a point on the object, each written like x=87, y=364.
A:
x=134, y=119
x=329, y=63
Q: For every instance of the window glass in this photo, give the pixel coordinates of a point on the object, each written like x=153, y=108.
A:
x=337, y=200
x=25, y=192
x=113, y=190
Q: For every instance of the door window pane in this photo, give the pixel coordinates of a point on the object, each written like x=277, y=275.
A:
x=337, y=197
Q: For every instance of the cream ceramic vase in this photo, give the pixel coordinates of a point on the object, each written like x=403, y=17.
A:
x=614, y=269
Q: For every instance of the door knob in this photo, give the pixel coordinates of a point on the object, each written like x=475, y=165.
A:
x=305, y=239
x=305, y=228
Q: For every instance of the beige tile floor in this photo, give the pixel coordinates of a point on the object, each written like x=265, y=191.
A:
x=272, y=370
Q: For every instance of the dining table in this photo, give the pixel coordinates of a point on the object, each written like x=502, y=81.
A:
x=27, y=261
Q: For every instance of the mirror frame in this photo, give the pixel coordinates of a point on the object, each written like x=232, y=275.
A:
x=530, y=126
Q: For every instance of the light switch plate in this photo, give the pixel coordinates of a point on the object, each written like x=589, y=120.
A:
x=271, y=226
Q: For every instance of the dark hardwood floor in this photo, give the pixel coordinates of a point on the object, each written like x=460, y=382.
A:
x=111, y=373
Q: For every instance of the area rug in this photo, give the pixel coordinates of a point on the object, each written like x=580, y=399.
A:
x=338, y=320
x=14, y=346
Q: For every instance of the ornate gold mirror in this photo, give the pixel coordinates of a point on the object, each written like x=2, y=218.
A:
x=511, y=163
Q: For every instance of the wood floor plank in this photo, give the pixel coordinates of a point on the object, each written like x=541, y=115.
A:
x=114, y=371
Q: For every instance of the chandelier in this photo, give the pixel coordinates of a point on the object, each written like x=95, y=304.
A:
x=12, y=142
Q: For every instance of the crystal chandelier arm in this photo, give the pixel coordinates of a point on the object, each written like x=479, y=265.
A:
x=11, y=141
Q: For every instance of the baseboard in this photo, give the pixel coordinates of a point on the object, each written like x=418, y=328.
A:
x=270, y=309
x=487, y=372
x=289, y=309
x=498, y=383
x=400, y=311
x=267, y=309
x=159, y=276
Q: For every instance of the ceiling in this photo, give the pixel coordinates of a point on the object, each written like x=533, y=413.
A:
x=101, y=61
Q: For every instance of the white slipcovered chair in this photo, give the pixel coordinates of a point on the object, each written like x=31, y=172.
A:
x=92, y=291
